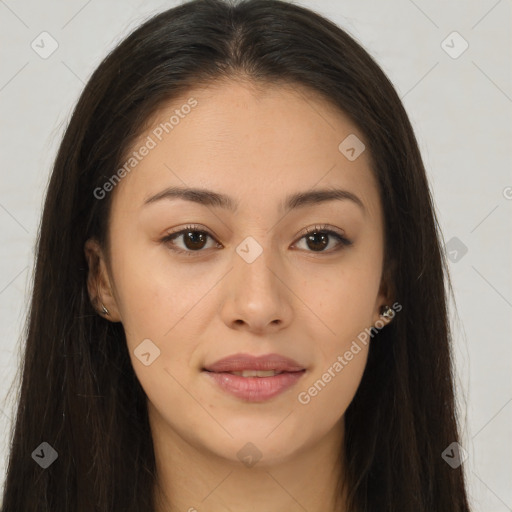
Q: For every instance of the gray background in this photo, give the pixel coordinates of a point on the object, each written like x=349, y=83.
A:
x=461, y=112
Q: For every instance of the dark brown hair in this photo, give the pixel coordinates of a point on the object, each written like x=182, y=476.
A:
x=78, y=390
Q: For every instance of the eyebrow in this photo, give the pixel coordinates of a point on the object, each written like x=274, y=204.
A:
x=215, y=199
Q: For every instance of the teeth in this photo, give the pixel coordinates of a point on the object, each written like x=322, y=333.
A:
x=256, y=373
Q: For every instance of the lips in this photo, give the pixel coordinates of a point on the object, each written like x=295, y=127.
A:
x=246, y=362
x=255, y=379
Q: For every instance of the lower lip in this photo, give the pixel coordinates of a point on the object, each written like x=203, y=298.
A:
x=255, y=389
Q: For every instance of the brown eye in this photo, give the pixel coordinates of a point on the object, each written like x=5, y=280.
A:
x=317, y=241
x=193, y=240
x=319, y=238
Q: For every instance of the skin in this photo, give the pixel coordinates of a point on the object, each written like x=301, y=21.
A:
x=258, y=147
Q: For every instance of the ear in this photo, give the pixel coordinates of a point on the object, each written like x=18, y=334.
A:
x=386, y=296
x=99, y=282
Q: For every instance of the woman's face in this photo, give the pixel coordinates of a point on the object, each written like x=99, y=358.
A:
x=247, y=279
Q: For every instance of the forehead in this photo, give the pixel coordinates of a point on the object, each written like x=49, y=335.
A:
x=251, y=143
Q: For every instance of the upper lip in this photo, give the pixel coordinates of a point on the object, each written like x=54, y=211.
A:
x=240, y=362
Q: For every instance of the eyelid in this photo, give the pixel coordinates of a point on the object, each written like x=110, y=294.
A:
x=181, y=231
x=323, y=228
x=189, y=227
x=343, y=241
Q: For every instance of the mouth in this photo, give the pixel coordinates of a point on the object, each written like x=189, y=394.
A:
x=245, y=362
x=254, y=378
x=254, y=373
x=254, y=385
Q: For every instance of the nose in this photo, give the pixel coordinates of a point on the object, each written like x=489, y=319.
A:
x=257, y=295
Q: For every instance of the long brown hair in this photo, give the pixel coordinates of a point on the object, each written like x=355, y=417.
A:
x=78, y=390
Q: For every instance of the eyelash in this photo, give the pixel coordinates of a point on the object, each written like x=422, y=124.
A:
x=318, y=229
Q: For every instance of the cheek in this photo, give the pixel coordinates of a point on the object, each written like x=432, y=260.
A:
x=154, y=295
x=343, y=307
x=330, y=390
x=161, y=303
x=341, y=300
x=339, y=377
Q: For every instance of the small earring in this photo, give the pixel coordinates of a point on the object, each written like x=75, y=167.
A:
x=387, y=312
x=104, y=310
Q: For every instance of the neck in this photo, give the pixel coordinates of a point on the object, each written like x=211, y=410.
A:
x=193, y=479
